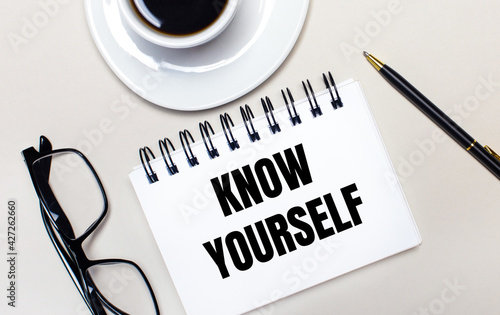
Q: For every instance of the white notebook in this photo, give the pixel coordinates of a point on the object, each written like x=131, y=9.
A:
x=271, y=217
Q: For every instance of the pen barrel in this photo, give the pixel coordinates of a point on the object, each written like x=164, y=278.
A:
x=427, y=107
x=488, y=160
x=442, y=120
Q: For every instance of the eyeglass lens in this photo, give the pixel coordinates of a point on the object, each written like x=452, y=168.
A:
x=71, y=189
x=122, y=285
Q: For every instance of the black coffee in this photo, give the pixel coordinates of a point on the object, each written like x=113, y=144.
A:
x=179, y=17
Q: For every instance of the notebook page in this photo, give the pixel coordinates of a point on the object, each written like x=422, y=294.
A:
x=321, y=194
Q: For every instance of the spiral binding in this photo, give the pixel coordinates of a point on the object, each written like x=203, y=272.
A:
x=294, y=118
x=268, y=110
x=247, y=115
x=192, y=159
x=315, y=109
x=211, y=149
x=146, y=155
x=206, y=130
x=336, y=101
x=171, y=167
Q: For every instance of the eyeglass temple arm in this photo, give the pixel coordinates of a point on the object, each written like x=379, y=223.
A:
x=67, y=261
x=44, y=172
x=69, y=264
x=46, y=146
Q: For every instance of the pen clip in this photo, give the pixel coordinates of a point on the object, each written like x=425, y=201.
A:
x=490, y=151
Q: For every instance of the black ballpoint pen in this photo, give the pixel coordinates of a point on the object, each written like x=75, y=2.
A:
x=485, y=154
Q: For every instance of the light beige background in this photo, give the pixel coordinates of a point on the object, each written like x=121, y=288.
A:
x=57, y=84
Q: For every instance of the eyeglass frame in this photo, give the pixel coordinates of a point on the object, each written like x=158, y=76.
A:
x=71, y=250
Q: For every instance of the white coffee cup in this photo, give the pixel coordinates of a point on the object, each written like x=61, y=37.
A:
x=131, y=17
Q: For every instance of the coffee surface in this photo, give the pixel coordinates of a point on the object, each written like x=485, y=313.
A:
x=179, y=17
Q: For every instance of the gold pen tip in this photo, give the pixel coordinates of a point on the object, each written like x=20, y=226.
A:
x=377, y=64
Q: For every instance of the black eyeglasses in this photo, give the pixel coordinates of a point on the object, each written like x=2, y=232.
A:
x=73, y=203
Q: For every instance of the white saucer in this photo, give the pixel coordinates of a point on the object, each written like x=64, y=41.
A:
x=253, y=46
